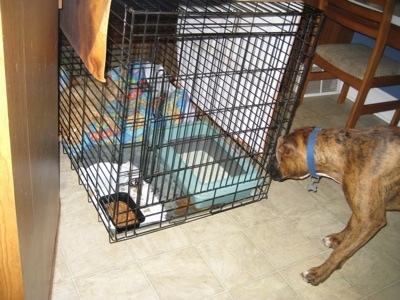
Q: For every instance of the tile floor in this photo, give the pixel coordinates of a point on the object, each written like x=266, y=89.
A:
x=254, y=252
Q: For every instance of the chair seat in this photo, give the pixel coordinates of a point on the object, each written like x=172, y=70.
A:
x=354, y=58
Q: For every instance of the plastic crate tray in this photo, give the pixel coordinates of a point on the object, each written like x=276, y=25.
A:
x=208, y=169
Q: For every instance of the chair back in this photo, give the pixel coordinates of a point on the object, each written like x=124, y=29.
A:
x=368, y=17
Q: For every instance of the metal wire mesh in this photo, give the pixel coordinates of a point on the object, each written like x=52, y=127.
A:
x=197, y=93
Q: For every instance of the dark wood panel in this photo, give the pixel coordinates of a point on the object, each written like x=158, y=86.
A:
x=30, y=30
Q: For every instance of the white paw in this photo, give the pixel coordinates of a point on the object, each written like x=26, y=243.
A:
x=327, y=242
x=304, y=275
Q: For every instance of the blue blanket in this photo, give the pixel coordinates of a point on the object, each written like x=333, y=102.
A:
x=145, y=100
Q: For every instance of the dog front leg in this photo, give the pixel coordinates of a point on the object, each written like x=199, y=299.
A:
x=352, y=241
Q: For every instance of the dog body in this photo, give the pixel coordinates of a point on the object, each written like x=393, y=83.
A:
x=366, y=162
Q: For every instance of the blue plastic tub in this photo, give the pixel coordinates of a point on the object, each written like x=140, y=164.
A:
x=207, y=165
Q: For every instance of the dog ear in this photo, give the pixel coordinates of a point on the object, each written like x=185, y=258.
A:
x=282, y=148
x=278, y=152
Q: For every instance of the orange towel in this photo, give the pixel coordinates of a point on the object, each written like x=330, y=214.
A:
x=84, y=23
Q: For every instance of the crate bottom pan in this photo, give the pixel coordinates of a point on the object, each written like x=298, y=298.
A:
x=209, y=166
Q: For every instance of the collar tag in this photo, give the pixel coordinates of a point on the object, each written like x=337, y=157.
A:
x=312, y=187
x=311, y=160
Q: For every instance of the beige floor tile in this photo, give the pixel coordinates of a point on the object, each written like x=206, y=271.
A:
x=369, y=272
x=315, y=224
x=76, y=212
x=290, y=197
x=235, y=259
x=211, y=227
x=340, y=209
x=61, y=269
x=390, y=292
x=336, y=287
x=367, y=121
x=72, y=192
x=322, y=111
x=221, y=296
x=253, y=214
x=327, y=189
x=159, y=242
x=386, y=243
x=88, y=250
x=392, y=218
x=181, y=274
x=270, y=287
x=76, y=219
x=281, y=243
x=125, y=282
x=319, y=106
x=65, y=290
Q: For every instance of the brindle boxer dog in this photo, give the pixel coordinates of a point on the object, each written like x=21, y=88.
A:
x=365, y=162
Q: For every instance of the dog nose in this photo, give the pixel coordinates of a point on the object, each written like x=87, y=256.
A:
x=273, y=169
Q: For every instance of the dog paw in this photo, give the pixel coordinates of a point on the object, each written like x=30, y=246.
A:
x=317, y=275
x=327, y=242
x=311, y=277
x=332, y=241
x=304, y=276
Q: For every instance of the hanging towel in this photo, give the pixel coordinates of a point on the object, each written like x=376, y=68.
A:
x=85, y=23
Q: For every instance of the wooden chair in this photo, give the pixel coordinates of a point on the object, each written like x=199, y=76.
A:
x=359, y=66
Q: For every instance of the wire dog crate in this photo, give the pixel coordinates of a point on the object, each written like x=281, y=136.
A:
x=197, y=93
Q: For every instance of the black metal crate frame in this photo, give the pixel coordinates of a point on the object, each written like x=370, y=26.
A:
x=197, y=93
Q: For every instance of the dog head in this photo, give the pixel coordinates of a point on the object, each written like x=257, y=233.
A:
x=290, y=159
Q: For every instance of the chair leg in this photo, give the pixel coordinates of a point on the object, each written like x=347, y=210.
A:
x=356, y=110
x=343, y=93
x=396, y=118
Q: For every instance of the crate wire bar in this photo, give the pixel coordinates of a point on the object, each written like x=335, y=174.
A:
x=197, y=93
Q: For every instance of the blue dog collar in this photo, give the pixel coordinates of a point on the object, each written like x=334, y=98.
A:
x=310, y=158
